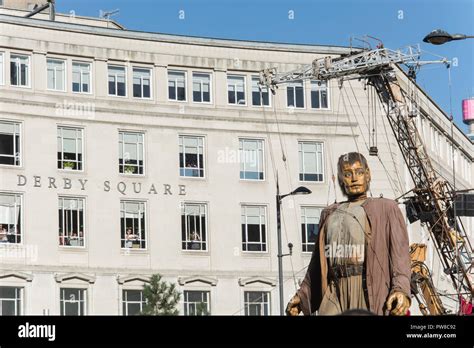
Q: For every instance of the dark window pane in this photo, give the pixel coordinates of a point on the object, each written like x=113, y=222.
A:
x=121, y=89
x=240, y=97
x=76, y=87
x=137, y=91
x=13, y=74
x=253, y=233
x=146, y=91
x=206, y=96
x=299, y=97
x=231, y=97
x=112, y=87
x=197, y=96
x=256, y=98
x=85, y=87
x=171, y=93
x=266, y=98
x=6, y=144
x=181, y=93
x=315, y=100
x=290, y=96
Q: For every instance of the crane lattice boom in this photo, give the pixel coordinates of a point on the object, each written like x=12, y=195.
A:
x=434, y=196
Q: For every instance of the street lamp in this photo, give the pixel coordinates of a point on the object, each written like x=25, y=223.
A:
x=299, y=191
x=439, y=37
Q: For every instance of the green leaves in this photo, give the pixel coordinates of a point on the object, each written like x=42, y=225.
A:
x=161, y=297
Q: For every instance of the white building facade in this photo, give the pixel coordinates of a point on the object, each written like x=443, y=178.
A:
x=124, y=154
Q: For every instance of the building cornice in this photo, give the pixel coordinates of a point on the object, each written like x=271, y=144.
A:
x=169, y=38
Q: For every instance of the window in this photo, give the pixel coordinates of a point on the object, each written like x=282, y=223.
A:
x=20, y=70
x=193, y=226
x=10, y=218
x=311, y=161
x=309, y=227
x=81, y=77
x=197, y=303
x=319, y=95
x=260, y=94
x=117, y=81
x=73, y=301
x=71, y=221
x=141, y=83
x=177, y=85
x=236, y=89
x=251, y=159
x=2, y=67
x=70, y=148
x=191, y=156
x=10, y=300
x=254, y=235
x=56, y=74
x=133, y=302
x=10, y=153
x=257, y=302
x=201, y=88
x=132, y=224
x=295, y=94
x=131, y=153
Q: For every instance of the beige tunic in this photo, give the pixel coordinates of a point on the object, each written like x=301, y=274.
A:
x=345, y=245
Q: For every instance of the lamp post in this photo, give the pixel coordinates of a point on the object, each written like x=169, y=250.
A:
x=299, y=191
x=439, y=37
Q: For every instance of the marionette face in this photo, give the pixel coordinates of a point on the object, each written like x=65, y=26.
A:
x=355, y=178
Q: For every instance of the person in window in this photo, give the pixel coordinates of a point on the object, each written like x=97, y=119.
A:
x=195, y=239
x=3, y=234
x=130, y=238
x=73, y=239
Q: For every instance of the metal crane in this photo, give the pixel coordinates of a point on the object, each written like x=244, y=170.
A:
x=433, y=200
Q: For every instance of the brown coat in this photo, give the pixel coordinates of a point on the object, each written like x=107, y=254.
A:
x=387, y=258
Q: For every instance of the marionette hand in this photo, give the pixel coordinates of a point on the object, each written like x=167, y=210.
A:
x=402, y=303
x=293, y=307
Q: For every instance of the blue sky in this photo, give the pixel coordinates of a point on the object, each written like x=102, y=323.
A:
x=327, y=22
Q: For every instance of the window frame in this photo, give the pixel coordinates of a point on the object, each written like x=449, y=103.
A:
x=210, y=87
x=235, y=92
x=263, y=164
x=304, y=242
x=206, y=227
x=18, y=299
x=319, y=89
x=82, y=162
x=125, y=73
x=293, y=86
x=256, y=77
x=263, y=244
x=28, y=76
x=85, y=300
x=81, y=74
x=21, y=220
x=125, y=302
x=187, y=304
x=2, y=68
x=202, y=168
x=150, y=70
x=185, y=72
x=267, y=303
x=20, y=143
x=143, y=237
x=301, y=170
x=123, y=165
x=64, y=235
x=65, y=82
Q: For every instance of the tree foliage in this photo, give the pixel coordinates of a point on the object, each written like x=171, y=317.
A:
x=161, y=297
